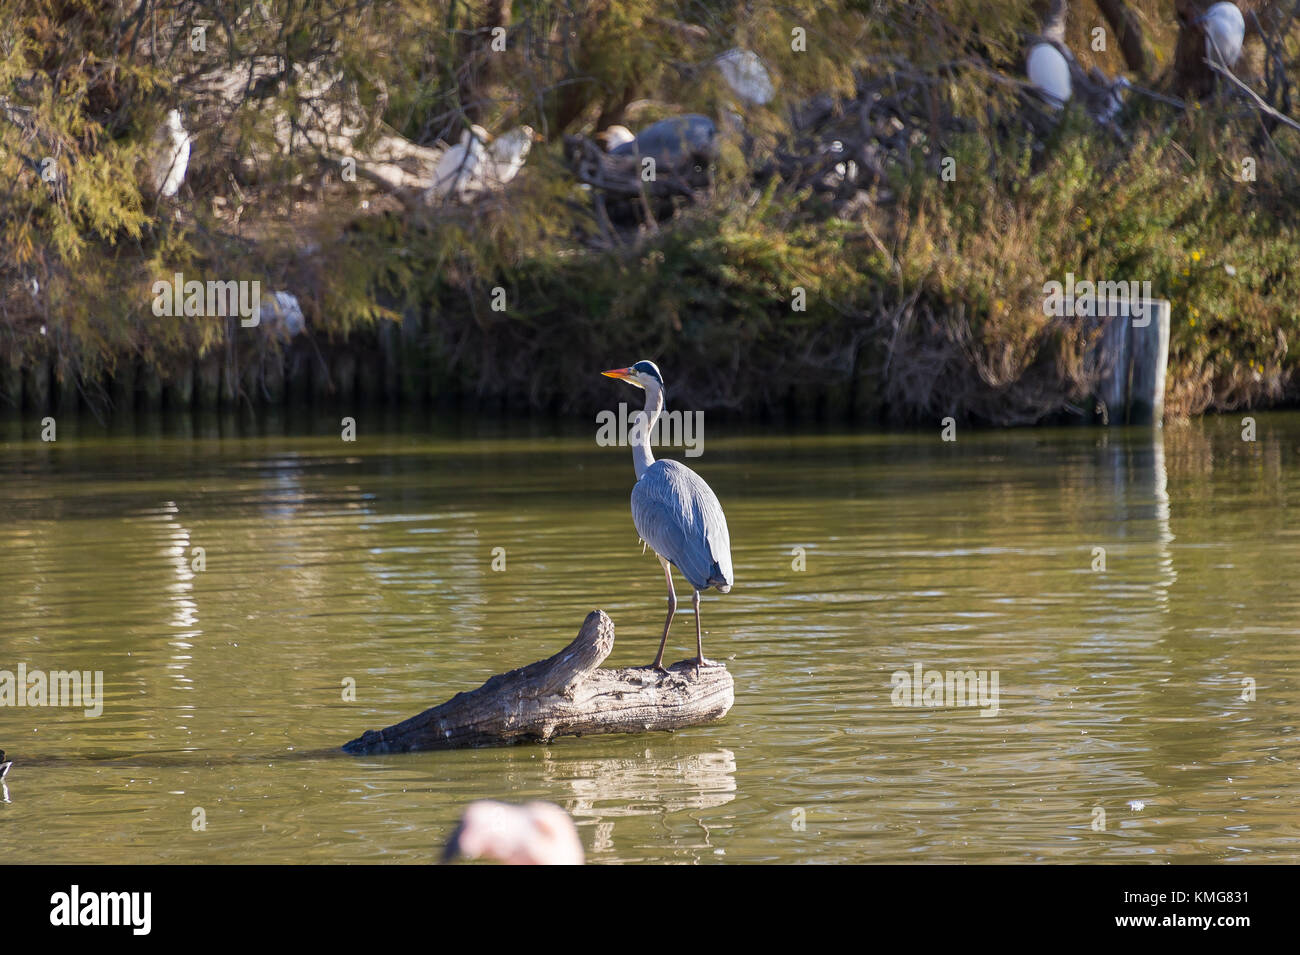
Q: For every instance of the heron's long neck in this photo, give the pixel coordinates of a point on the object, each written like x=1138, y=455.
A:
x=642, y=456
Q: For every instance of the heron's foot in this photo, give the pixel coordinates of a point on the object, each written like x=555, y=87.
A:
x=658, y=666
x=705, y=662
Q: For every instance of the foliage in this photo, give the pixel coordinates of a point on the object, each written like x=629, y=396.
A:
x=925, y=301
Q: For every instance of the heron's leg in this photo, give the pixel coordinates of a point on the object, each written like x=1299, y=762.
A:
x=699, y=639
x=672, y=609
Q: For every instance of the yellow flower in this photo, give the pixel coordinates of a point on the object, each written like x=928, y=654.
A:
x=1196, y=256
x=1191, y=322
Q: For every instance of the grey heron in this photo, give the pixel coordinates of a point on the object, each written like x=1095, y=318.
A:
x=677, y=143
x=675, y=512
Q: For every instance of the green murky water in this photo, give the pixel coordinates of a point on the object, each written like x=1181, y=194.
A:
x=373, y=561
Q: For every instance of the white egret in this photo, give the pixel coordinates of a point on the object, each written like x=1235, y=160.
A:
x=507, y=154
x=1225, y=30
x=171, y=155
x=1049, y=72
x=746, y=75
x=479, y=162
x=462, y=165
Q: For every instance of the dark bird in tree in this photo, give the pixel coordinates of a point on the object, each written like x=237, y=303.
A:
x=684, y=146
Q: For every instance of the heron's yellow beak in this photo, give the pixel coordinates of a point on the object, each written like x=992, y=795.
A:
x=624, y=373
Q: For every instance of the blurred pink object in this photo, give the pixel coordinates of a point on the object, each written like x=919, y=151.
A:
x=537, y=833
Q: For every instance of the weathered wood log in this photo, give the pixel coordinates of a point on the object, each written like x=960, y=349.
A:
x=565, y=695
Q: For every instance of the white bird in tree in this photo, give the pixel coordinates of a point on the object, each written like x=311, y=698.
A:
x=171, y=155
x=537, y=833
x=1049, y=72
x=461, y=166
x=508, y=153
x=1225, y=30
x=746, y=75
x=479, y=162
x=615, y=136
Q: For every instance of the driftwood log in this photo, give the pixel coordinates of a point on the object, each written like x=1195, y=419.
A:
x=565, y=695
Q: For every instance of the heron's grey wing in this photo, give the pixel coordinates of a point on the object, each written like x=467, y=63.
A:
x=719, y=544
x=660, y=525
x=675, y=513
x=673, y=141
x=707, y=522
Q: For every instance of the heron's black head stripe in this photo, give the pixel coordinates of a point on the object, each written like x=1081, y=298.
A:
x=649, y=368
